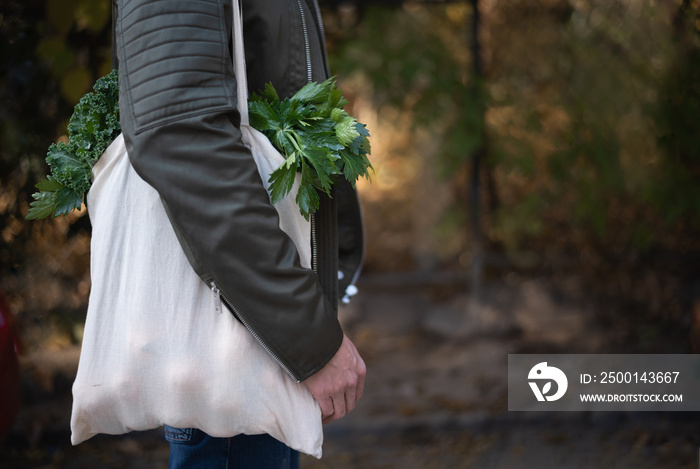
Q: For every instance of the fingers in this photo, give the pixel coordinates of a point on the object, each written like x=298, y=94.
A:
x=327, y=408
x=361, y=372
x=340, y=384
x=339, y=409
x=350, y=399
x=341, y=405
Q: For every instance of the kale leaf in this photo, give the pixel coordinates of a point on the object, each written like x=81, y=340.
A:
x=92, y=128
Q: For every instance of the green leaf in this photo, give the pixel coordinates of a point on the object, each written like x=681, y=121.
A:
x=291, y=161
x=362, y=130
x=334, y=103
x=321, y=137
x=338, y=114
x=315, y=92
x=295, y=112
x=271, y=92
x=67, y=167
x=43, y=206
x=263, y=117
x=281, y=182
x=322, y=161
x=360, y=144
x=50, y=202
x=285, y=142
x=67, y=200
x=49, y=184
x=307, y=197
x=354, y=166
x=346, y=130
x=336, y=99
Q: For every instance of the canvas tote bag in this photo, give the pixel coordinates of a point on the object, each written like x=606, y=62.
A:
x=155, y=351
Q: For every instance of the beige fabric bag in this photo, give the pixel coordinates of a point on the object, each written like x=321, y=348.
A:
x=155, y=351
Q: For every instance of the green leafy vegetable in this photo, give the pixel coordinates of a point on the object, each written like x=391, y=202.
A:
x=311, y=129
x=317, y=138
x=92, y=128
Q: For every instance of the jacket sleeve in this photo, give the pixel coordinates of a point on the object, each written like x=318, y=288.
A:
x=180, y=124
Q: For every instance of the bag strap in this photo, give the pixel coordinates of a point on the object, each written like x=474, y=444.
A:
x=239, y=63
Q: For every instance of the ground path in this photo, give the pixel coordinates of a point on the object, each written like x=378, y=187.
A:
x=436, y=394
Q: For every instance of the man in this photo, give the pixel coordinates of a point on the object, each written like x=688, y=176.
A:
x=180, y=125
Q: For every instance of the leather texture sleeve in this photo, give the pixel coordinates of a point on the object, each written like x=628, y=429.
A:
x=180, y=124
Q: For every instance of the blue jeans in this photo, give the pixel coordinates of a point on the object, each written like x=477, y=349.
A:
x=193, y=449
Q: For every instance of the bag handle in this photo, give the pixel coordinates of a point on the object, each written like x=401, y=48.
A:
x=239, y=63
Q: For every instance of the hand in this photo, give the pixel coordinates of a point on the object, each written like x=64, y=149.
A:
x=339, y=384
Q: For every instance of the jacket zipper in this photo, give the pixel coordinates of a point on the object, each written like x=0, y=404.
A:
x=309, y=79
x=322, y=33
x=307, y=45
x=314, y=244
x=219, y=298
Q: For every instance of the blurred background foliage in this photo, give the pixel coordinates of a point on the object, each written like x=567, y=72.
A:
x=585, y=113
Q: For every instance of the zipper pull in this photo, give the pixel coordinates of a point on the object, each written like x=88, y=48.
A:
x=217, y=297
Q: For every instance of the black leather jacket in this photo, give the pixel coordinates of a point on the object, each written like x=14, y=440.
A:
x=180, y=124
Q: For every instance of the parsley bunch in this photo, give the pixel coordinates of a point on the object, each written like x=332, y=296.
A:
x=316, y=137
x=92, y=128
